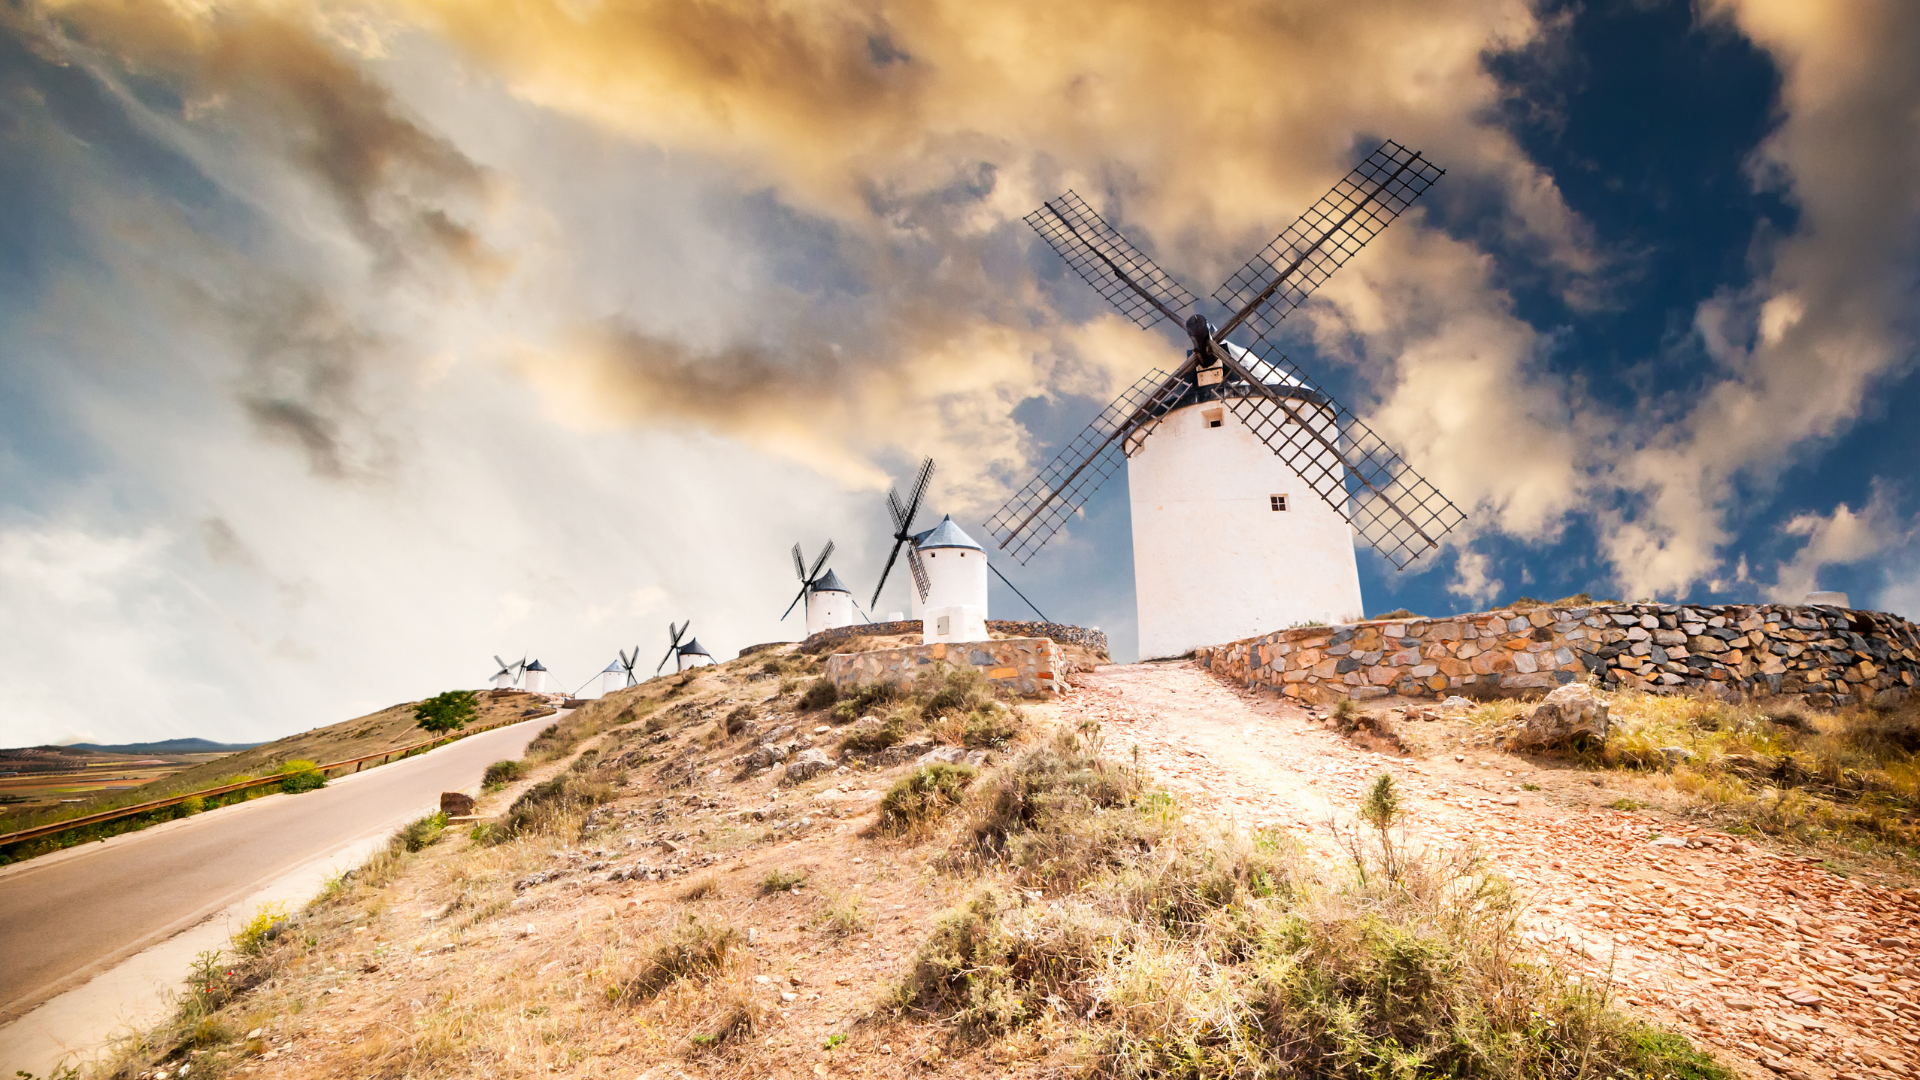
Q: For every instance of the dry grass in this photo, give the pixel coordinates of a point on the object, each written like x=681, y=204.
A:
x=1850, y=777
x=1173, y=951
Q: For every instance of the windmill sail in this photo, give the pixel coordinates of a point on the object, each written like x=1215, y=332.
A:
x=903, y=514
x=1115, y=268
x=1037, y=511
x=1391, y=507
x=1288, y=270
x=1394, y=509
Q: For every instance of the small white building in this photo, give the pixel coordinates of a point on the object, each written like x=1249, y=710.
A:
x=503, y=680
x=612, y=677
x=535, y=681
x=829, y=604
x=692, y=654
x=955, y=608
x=1228, y=542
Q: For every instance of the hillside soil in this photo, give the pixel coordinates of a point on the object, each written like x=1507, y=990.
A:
x=540, y=956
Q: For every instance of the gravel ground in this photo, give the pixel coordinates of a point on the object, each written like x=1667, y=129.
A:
x=1780, y=966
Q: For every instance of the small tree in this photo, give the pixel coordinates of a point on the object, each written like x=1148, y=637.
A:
x=447, y=712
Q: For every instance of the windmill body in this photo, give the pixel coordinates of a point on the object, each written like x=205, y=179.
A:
x=955, y=607
x=1249, y=485
x=829, y=604
x=1228, y=541
x=612, y=677
x=535, y=678
x=692, y=654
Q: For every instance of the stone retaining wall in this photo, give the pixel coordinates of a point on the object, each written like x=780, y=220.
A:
x=1028, y=666
x=1060, y=632
x=1830, y=655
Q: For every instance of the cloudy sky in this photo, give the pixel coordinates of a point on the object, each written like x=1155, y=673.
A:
x=345, y=345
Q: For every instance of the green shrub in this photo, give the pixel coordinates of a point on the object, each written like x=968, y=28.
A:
x=819, y=695
x=865, y=698
x=190, y=806
x=870, y=740
x=1058, y=813
x=446, y=712
x=779, y=881
x=420, y=832
x=302, y=776
x=501, y=773
x=922, y=797
x=954, y=690
x=991, y=727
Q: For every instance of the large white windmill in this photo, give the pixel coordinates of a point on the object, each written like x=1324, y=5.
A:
x=1248, y=483
x=534, y=678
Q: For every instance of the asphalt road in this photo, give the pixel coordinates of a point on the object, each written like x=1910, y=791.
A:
x=68, y=916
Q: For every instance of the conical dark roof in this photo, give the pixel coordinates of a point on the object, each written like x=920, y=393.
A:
x=830, y=582
x=692, y=648
x=535, y=666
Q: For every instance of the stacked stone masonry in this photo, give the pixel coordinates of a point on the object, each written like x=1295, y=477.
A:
x=1831, y=656
x=1060, y=632
x=1026, y=666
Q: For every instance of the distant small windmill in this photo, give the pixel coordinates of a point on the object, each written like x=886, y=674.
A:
x=685, y=651
x=829, y=603
x=1225, y=546
x=508, y=673
x=613, y=677
x=627, y=664
x=534, y=678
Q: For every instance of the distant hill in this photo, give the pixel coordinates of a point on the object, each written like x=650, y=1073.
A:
x=167, y=746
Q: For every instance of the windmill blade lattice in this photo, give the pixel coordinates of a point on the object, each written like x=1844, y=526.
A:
x=921, y=583
x=1114, y=267
x=1288, y=270
x=1037, y=511
x=1390, y=506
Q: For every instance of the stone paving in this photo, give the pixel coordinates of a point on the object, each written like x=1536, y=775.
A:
x=1780, y=966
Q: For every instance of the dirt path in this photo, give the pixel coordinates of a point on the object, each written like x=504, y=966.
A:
x=1781, y=966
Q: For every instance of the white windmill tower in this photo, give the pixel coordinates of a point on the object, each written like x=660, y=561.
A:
x=534, y=678
x=1247, y=482
x=955, y=605
x=949, y=594
x=619, y=674
x=829, y=602
x=508, y=673
x=685, y=652
x=693, y=654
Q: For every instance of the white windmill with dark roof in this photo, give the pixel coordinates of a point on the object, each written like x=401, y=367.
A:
x=534, y=678
x=1248, y=483
x=829, y=601
x=683, y=651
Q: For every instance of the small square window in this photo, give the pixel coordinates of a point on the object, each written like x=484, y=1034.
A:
x=1279, y=502
x=1214, y=417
